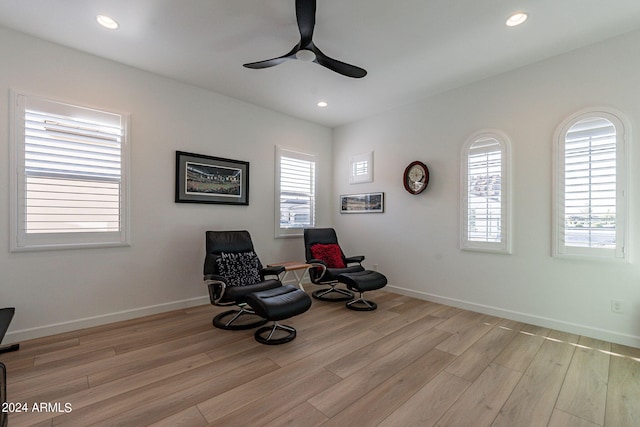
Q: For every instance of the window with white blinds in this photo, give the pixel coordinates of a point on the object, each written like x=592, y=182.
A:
x=485, y=202
x=361, y=168
x=70, y=175
x=295, y=192
x=590, y=206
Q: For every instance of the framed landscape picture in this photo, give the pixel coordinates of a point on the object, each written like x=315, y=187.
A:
x=362, y=203
x=206, y=179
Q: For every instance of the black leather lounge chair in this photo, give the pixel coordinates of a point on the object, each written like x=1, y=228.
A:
x=232, y=271
x=323, y=251
x=234, y=275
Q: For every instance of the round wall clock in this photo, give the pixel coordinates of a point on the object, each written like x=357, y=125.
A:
x=416, y=177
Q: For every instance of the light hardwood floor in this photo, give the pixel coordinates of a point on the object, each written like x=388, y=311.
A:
x=409, y=363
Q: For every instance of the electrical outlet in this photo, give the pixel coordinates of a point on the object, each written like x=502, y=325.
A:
x=616, y=306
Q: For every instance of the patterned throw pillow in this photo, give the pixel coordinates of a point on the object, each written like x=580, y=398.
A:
x=242, y=268
x=330, y=254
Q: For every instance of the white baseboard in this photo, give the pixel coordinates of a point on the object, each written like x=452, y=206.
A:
x=602, y=334
x=574, y=328
x=73, y=325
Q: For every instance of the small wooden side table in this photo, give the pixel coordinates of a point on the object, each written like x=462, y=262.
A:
x=295, y=268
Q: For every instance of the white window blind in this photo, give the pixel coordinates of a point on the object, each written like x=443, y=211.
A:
x=484, y=187
x=484, y=217
x=360, y=168
x=295, y=182
x=590, y=184
x=70, y=170
x=590, y=207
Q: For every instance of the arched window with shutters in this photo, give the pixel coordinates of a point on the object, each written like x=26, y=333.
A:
x=485, y=193
x=590, y=185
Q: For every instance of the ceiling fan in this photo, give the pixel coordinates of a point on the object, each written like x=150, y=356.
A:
x=306, y=50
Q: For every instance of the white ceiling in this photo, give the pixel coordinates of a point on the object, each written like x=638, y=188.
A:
x=411, y=48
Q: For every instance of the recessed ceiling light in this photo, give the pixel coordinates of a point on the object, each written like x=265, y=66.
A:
x=322, y=104
x=516, y=19
x=107, y=22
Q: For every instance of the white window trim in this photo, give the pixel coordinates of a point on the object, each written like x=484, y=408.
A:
x=505, y=246
x=558, y=249
x=22, y=242
x=291, y=232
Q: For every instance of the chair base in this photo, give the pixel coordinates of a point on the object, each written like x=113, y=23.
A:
x=361, y=304
x=277, y=304
x=362, y=281
x=236, y=320
x=271, y=339
x=9, y=348
x=333, y=294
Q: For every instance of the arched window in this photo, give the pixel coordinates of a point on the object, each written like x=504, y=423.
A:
x=485, y=180
x=590, y=185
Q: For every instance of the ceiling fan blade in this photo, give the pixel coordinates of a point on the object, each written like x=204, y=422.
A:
x=273, y=61
x=338, y=66
x=266, y=63
x=306, y=16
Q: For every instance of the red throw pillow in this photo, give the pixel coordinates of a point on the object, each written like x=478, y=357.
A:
x=330, y=254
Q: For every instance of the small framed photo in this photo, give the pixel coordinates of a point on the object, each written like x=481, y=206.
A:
x=362, y=203
x=206, y=179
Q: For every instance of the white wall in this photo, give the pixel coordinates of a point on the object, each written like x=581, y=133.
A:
x=415, y=242
x=54, y=291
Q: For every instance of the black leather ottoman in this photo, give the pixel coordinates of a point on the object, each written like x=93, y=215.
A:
x=277, y=304
x=362, y=281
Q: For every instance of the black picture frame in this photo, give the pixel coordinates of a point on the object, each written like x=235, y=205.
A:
x=362, y=203
x=208, y=179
